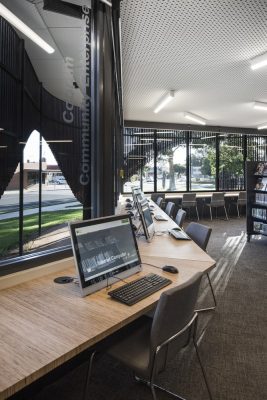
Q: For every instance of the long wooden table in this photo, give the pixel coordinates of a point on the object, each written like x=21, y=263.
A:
x=44, y=324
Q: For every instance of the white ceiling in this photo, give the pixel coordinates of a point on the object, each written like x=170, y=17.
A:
x=65, y=35
x=199, y=48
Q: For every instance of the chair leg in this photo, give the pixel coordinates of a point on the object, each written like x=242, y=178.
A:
x=88, y=375
x=197, y=213
x=214, y=298
x=202, y=368
x=238, y=214
x=226, y=214
x=210, y=214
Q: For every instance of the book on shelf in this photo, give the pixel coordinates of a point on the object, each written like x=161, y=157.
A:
x=260, y=227
x=261, y=198
x=259, y=213
x=261, y=169
x=261, y=184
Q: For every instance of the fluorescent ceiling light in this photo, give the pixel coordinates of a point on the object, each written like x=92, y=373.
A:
x=165, y=140
x=164, y=101
x=146, y=139
x=59, y=141
x=263, y=126
x=17, y=23
x=195, y=118
x=1, y=129
x=136, y=157
x=3, y=147
x=260, y=106
x=259, y=61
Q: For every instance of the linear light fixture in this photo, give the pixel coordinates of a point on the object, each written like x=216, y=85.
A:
x=17, y=23
x=144, y=133
x=260, y=106
x=3, y=147
x=59, y=141
x=263, y=126
x=195, y=118
x=258, y=62
x=1, y=129
x=164, y=101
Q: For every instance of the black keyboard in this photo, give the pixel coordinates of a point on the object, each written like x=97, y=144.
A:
x=140, y=288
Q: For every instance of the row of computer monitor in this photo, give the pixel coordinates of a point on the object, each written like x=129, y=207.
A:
x=105, y=249
x=143, y=209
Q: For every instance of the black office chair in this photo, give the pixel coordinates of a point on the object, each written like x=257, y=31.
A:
x=201, y=235
x=159, y=202
x=189, y=201
x=170, y=208
x=240, y=201
x=147, y=348
x=180, y=217
x=154, y=196
x=217, y=201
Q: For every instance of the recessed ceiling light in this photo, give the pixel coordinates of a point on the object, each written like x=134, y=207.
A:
x=165, y=100
x=195, y=118
x=17, y=23
x=263, y=126
x=260, y=106
x=259, y=62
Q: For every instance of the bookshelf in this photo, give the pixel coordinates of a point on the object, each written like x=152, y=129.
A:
x=256, y=178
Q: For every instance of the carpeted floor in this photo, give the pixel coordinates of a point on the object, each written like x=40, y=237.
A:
x=233, y=344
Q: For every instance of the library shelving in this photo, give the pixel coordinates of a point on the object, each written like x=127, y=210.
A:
x=256, y=178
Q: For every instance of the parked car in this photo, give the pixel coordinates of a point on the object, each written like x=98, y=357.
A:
x=59, y=180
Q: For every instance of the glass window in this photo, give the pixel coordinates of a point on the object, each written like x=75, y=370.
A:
x=171, y=161
x=139, y=160
x=231, y=162
x=202, y=153
x=256, y=148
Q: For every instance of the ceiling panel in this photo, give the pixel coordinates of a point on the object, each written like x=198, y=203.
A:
x=201, y=49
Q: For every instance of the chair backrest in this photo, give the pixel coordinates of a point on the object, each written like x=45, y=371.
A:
x=155, y=196
x=169, y=208
x=217, y=199
x=174, y=310
x=199, y=233
x=189, y=200
x=180, y=217
x=159, y=201
x=242, y=198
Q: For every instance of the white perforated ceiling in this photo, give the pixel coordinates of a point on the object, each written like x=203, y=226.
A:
x=201, y=49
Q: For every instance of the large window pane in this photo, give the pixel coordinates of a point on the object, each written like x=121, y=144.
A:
x=171, y=161
x=202, y=150
x=256, y=148
x=139, y=159
x=231, y=162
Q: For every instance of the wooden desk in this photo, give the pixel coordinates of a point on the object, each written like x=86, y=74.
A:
x=44, y=324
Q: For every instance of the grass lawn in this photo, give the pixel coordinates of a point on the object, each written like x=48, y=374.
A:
x=9, y=228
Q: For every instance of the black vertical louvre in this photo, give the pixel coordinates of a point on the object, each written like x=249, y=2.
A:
x=231, y=166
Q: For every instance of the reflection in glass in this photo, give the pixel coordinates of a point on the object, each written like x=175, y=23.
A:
x=202, y=151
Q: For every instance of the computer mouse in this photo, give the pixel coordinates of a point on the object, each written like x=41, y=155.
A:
x=128, y=205
x=130, y=213
x=170, y=268
x=128, y=200
x=151, y=213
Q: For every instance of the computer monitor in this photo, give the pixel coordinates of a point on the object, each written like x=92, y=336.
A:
x=146, y=220
x=105, y=251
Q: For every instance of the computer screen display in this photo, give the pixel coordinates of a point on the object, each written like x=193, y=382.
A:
x=146, y=220
x=104, y=248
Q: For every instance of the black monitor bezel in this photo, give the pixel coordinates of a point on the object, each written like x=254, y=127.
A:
x=147, y=230
x=96, y=221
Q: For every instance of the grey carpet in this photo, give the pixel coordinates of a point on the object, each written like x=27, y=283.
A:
x=233, y=343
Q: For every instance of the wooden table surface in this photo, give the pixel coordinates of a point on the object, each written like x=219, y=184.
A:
x=44, y=324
